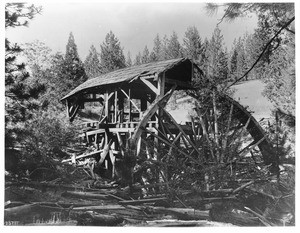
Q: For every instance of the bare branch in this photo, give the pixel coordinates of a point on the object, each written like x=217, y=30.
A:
x=262, y=53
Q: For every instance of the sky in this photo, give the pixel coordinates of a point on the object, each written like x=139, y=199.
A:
x=135, y=24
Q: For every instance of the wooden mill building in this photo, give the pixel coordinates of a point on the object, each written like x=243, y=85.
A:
x=133, y=111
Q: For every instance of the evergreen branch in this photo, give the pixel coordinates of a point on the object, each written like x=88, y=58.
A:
x=262, y=53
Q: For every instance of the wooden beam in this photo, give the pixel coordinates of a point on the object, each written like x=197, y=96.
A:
x=72, y=115
x=150, y=85
x=248, y=148
x=161, y=85
x=105, y=152
x=129, y=97
x=116, y=108
x=106, y=98
x=130, y=103
x=83, y=156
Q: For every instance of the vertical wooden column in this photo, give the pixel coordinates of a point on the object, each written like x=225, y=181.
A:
x=116, y=106
x=121, y=108
x=106, y=107
x=161, y=91
x=130, y=105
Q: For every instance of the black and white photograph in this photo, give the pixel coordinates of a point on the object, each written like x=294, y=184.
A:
x=148, y=114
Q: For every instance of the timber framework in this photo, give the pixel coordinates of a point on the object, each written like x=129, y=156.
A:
x=134, y=116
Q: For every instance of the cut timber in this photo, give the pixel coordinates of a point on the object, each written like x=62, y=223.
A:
x=83, y=156
x=85, y=195
x=100, y=207
x=150, y=200
x=105, y=152
x=183, y=213
x=150, y=85
x=181, y=223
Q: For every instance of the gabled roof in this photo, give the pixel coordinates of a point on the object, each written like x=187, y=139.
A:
x=128, y=74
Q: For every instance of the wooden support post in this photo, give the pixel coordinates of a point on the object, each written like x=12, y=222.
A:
x=116, y=106
x=106, y=109
x=130, y=104
x=161, y=91
x=121, y=108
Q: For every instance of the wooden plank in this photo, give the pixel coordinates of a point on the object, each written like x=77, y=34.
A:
x=248, y=148
x=72, y=115
x=83, y=156
x=106, y=104
x=93, y=132
x=150, y=85
x=85, y=195
x=105, y=152
x=186, y=213
x=100, y=207
x=116, y=108
x=140, y=201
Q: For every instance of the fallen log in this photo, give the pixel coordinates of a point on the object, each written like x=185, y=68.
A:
x=141, y=201
x=85, y=195
x=180, y=223
x=182, y=213
x=33, y=184
x=104, y=207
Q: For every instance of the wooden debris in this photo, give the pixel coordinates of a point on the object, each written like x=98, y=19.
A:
x=141, y=201
x=180, y=223
x=85, y=195
x=99, y=207
x=182, y=213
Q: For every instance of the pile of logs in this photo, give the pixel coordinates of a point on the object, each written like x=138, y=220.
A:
x=97, y=207
x=110, y=205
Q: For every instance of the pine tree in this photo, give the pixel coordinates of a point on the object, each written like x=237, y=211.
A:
x=156, y=54
x=164, y=48
x=216, y=67
x=19, y=95
x=173, y=48
x=138, y=59
x=112, y=56
x=145, y=57
x=192, y=43
x=92, y=65
x=73, y=65
x=128, y=60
